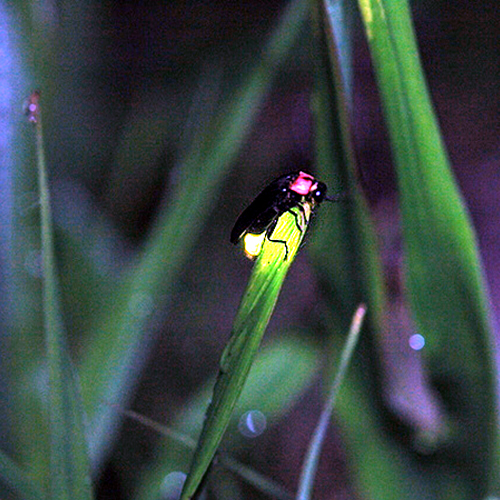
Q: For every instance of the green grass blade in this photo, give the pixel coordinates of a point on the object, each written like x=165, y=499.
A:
x=110, y=366
x=313, y=453
x=336, y=18
x=21, y=234
x=250, y=323
x=69, y=465
x=444, y=279
x=344, y=246
x=18, y=481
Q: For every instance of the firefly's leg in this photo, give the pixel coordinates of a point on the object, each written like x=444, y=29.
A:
x=295, y=215
x=269, y=232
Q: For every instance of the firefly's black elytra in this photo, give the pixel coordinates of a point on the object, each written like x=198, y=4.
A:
x=283, y=194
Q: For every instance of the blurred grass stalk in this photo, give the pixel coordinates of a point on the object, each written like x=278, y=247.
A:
x=69, y=477
x=25, y=349
x=346, y=257
x=310, y=465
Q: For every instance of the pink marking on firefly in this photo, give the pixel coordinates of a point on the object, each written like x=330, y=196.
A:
x=304, y=184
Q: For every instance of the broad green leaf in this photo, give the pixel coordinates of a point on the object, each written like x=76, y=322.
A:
x=281, y=373
x=443, y=275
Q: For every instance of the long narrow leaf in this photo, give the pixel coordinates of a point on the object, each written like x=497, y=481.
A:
x=20, y=234
x=69, y=464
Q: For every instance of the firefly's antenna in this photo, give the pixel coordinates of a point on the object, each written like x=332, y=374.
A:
x=337, y=197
